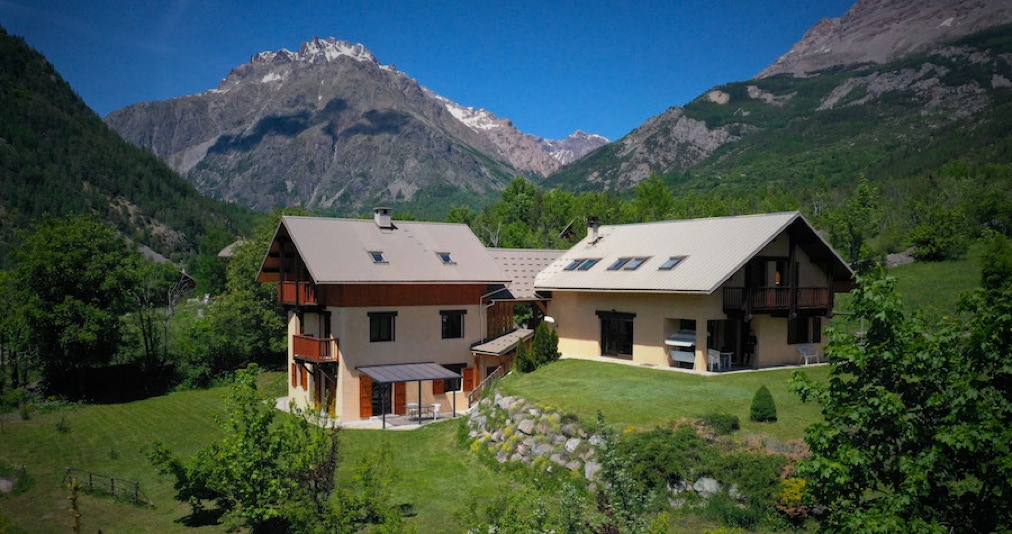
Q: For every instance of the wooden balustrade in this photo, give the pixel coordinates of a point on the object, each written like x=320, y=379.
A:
x=297, y=293
x=765, y=299
x=315, y=349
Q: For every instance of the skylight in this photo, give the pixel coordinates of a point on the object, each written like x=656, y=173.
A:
x=587, y=264
x=670, y=264
x=618, y=264
x=377, y=256
x=573, y=265
x=634, y=263
x=445, y=258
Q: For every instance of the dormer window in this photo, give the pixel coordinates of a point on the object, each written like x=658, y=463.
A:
x=445, y=258
x=670, y=264
x=377, y=256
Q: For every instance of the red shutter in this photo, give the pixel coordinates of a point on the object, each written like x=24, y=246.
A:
x=295, y=375
x=364, y=397
x=304, y=376
x=400, y=392
x=437, y=387
x=470, y=375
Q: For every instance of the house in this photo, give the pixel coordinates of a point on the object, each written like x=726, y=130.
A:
x=700, y=294
x=383, y=314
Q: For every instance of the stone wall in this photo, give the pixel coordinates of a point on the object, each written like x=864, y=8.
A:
x=515, y=430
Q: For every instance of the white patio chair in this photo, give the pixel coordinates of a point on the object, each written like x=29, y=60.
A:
x=712, y=359
x=808, y=353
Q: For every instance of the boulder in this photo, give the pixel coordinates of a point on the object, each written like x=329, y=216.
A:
x=572, y=444
x=526, y=426
x=570, y=430
x=707, y=487
x=542, y=449
x=590, y=470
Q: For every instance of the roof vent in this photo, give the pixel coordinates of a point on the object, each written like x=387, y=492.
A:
x=592, y=226
x=382, y=216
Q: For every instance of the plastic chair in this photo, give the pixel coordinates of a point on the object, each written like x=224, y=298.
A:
x=808, y=353
x=712, y=359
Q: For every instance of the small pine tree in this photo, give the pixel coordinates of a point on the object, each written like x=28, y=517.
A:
x=523, y=361
x=763, y=407
x=545, y=347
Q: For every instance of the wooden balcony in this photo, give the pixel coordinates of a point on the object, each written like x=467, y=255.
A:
x=297, y=294
x=315, y=349
x=777, y=299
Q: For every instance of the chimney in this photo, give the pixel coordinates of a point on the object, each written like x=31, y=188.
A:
x=382, y=217
x=592, y=226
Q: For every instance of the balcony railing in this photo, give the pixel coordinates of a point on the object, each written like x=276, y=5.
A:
x=297, y=293
x=315, y=349
x=777, y=298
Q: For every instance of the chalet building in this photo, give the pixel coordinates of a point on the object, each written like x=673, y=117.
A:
x=394, y=317
x=702, y=294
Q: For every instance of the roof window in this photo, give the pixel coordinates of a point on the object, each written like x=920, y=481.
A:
x=377, y=256
x=573, y=265
x=445, y=258
x=587, y=264
x=634, y=263
x=618, y=264
x=670, y=264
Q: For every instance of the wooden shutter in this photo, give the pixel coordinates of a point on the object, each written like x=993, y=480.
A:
x=364, y=397
x=400, y=391
x=295, y=375
x=470, y=374
x=304, y=376
x=437, y=387
x=318, y=388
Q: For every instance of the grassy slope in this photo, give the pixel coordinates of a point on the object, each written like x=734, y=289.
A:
x=631, y=396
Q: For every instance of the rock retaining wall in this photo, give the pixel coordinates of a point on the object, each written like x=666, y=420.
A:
x=514, y=430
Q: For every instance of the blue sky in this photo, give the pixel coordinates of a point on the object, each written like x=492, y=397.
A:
x=551, y=67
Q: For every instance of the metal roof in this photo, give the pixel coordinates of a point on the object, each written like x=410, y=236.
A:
x=407, y=372
x=522, y=266
x=504, y=343
x=712, y=250
x=338, y=251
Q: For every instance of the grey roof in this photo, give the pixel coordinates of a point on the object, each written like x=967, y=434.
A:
x=713, y=250
x=407, y=372
x=504, y=343
x=338, y=251
x=522, y=266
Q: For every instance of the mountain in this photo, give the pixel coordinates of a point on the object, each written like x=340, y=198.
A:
x=874, y=31
x=57, y=157
x=330, y=128
x=908, y=115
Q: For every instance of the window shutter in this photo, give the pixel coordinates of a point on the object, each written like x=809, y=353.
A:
x=469, y=378
x=364, y=397
x=437, y=387
x=400, y=391
x=304, y=375
x=295, y=375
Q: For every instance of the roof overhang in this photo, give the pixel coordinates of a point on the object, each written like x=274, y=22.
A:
x=407, y=372
x=503, y=344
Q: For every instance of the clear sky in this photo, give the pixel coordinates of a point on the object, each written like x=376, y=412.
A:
x=551, y=67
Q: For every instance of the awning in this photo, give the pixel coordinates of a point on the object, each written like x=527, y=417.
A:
x=407, y=372
x=504, y=343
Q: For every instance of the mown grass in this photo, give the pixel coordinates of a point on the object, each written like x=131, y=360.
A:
x=631, y=396
x=434, y=477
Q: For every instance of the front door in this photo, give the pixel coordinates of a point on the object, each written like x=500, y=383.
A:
x=381, y=398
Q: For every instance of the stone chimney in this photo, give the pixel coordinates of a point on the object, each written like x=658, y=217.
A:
x=383, y=217
x=592, y=226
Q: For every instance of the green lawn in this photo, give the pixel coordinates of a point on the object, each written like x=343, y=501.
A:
x=644, y=398
x=434, y=477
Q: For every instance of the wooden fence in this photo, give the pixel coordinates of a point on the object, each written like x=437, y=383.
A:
x=117, y=487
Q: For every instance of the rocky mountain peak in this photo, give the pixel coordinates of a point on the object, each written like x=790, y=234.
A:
x=318, y=50
x=878, y=31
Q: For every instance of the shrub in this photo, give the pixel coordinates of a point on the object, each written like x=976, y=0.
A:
x=763, y=408
x=721, y=423
x=661, y=457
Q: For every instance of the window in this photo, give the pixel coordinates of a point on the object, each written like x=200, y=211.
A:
x=634, y=263
x=804, y=330
x=453, y=384
x=445, y=258
x=381, y=326
x=452, y=323
x=618, y=264
x=670, y=264
x=377, y=256
x=616, y=333
x=581, y=264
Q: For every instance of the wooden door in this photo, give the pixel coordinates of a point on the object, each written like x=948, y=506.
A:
x=400, y=391
x=364, y=397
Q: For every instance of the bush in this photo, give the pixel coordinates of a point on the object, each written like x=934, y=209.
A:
x=661, y=457
x=721, y=423
x=763, y=408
